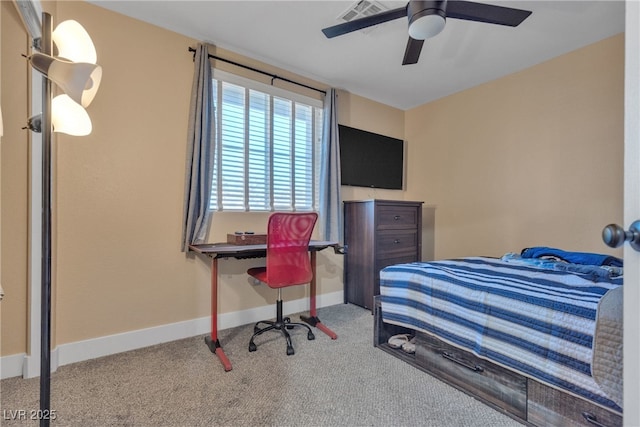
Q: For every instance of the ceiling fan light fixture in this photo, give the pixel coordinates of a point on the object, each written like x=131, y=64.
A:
x=426, y=24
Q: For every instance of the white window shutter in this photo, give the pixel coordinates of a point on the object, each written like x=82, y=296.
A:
x=267, y=157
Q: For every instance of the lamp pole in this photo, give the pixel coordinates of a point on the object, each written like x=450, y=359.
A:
x=80, y=80
x=46, y=47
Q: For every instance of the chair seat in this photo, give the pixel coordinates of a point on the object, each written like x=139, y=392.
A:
x=259, y=273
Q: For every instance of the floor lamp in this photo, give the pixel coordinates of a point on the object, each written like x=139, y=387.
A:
x=75, y=72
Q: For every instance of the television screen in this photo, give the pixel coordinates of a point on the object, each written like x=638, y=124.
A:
x=370, y=160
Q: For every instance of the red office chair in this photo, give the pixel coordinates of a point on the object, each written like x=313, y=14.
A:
x=288, y=264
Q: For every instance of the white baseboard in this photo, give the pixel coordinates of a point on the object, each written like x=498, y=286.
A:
x=11, y=366
x=25, y=365
x=31, y=365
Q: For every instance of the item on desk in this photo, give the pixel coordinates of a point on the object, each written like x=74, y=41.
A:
x=247, y=238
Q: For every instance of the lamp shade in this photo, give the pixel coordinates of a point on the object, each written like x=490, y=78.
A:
x=73, y=42
x=67, y=116
x=78, y=80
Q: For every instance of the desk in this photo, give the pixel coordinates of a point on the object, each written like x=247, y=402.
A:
x=225, y=250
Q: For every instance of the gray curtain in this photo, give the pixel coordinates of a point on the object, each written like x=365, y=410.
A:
x=200, y=153
x=330, y=198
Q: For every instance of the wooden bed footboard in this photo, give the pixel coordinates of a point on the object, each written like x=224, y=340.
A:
x=511, y=393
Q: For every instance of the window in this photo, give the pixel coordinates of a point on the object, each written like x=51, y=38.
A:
x=267, y=147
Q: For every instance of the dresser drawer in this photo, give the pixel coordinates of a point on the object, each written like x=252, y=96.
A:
x=549, y=407
x=494, y=384
x=390, y=216
x=391, y=243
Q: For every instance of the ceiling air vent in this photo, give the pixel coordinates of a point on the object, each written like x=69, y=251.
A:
x=361, y=9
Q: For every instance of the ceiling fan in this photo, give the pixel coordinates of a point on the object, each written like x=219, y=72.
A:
x=427, y=19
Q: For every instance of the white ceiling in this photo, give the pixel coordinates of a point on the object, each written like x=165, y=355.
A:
x=288, y=34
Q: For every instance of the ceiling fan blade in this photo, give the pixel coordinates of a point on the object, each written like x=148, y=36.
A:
x=412, y=52
x=369, y=21
x=481, y=12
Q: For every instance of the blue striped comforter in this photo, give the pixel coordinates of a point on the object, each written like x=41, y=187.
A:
x=538, y=322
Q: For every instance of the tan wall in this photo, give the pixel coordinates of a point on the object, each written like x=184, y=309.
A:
x=119, y=190
x=14, y=179
x=362, y=113
x=534, y=158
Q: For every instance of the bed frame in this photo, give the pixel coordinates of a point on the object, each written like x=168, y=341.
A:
x=511, y=393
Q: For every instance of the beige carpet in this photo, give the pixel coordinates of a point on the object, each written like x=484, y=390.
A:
x=343, y=382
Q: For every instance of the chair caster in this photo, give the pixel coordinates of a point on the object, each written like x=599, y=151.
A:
x=310, y=336
x=252, y=347
x=286, y=322
x=290, y=351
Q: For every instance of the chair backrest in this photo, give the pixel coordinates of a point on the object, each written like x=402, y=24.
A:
x=288, y=235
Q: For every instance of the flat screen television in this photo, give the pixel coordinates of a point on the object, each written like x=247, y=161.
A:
x=370, y=160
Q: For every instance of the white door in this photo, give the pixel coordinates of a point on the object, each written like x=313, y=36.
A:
x=631, y=405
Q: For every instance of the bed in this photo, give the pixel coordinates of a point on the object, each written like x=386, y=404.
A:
x=537, y=335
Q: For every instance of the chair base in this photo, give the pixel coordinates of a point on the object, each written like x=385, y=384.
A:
x=281, y=324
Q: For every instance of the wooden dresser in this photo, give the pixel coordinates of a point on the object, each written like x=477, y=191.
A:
x=377, y=233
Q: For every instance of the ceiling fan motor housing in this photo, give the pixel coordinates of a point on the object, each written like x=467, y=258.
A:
x=426, y=18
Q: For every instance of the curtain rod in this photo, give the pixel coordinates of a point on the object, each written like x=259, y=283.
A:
x=273, y=76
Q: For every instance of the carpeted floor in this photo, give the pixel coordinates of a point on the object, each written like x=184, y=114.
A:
x=343, y=382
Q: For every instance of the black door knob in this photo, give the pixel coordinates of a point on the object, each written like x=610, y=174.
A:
x=615, y=236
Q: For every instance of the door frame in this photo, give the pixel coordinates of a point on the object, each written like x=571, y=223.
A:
x=631, y=309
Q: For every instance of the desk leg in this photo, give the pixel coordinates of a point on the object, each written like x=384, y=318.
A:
x=312, y=319
x=212, y=340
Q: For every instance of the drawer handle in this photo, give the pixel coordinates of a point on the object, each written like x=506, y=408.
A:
x=592, y=419
x=474, y=368
x=396, y=217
